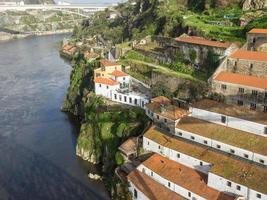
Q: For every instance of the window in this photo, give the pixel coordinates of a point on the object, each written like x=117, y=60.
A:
x=224, y=87
x=254, y=92
x=241, y=90
x=205, y=142
x=201, y=163
x=235, y=63
x=147, y=143
x=115, y=96
x=218, y=146
x=135, y=101
x=238, y=187
x=261, y=161
x=265, y=95
x=107, y=87
x=178, y=155
x=264, y=108
x=125, y=99
x=100, y=85
x=229, y=184
x=143, y=103
x=265, y=130
x=120, y=97
x=135, y=194
x=192, y=138
x=240, y=103
x=251, y=66
x=232, y=151
x=169, y=184
x=253, y=106
x=144, y=170
x=157, y=116
x=180, y=133
x=131, y=102
x=165, y=120
x=124, y=78
x=159, y=147
x=246, y=155
x=189, y=194
x=223, y=119
x=258, y=196
x=151, y=173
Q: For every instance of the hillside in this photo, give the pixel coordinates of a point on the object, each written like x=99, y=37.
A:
x=30, y=1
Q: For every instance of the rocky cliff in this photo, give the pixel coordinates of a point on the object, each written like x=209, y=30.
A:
x=254, y=4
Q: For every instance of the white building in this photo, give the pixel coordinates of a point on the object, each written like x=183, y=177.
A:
x=114, y=84
x=225, y=173
x=233, y=141
x=230, y=115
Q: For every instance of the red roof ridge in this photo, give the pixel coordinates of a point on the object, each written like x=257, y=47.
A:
x=106, y=81
x=119, y=73
x=241, y=79
x=249, y=55
x=258, y=30
x=108, y=63
x=203, y=41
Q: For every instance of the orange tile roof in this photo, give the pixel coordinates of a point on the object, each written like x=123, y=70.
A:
x=107, y=63
x=152, y=189
x=240, y=79
x=250, y=55
x=164, y=107
x=231, y=110
x=119, y=73
x=129, y=146
x=258, y=30
x=106, y=81
x=203, y=41
x=89, y=54
x=227, y=166
x=185, y=177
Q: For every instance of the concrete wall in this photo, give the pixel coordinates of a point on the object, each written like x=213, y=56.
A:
x=233, y=122
x=243, y=153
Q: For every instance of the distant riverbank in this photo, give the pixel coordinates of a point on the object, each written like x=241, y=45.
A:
x=8, y=36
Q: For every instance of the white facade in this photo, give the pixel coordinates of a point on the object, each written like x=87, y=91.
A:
x=170, y=185
x=246, y=154
x=233, y=122
x=222, y=184
x=179, y=157
x=105, y=90
x=214, y=181
x=129, y=98
x=137, y=194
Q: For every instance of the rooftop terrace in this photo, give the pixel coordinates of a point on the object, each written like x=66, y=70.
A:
x=185, y=177
x=231, y=110
x=152, y=189
x=164, y=107
x=231, y=136
x=238, y=171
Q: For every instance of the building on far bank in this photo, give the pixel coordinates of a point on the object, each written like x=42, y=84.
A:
x=257, y=40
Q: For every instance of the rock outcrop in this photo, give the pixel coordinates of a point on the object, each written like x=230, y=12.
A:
x=254, y=4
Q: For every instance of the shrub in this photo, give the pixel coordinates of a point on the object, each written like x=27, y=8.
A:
x=119, y=158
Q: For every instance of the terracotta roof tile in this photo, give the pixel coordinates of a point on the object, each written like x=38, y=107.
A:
x=238, y=171
x=164, y=107
x=89, y=54
x=129, y=146
x=106, y=81
x=119, y=73
x=185, y=177
x=258, y=30
x=203, y=41
x=227, y=135
x=249, y=55
x=107, y=63
x=152, y=189
x=231, y=110
x=240, y=79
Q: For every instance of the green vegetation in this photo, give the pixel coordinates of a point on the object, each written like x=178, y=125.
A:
x=119, y=158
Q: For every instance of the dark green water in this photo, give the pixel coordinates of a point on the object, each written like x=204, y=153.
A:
x=37, y=141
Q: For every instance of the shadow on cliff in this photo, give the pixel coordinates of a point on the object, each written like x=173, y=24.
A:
x=28, y=175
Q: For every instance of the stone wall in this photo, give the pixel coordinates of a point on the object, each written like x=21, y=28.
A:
x=247, y=67
x=257, y=42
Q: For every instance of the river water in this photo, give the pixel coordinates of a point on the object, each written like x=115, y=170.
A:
x=37, y=141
